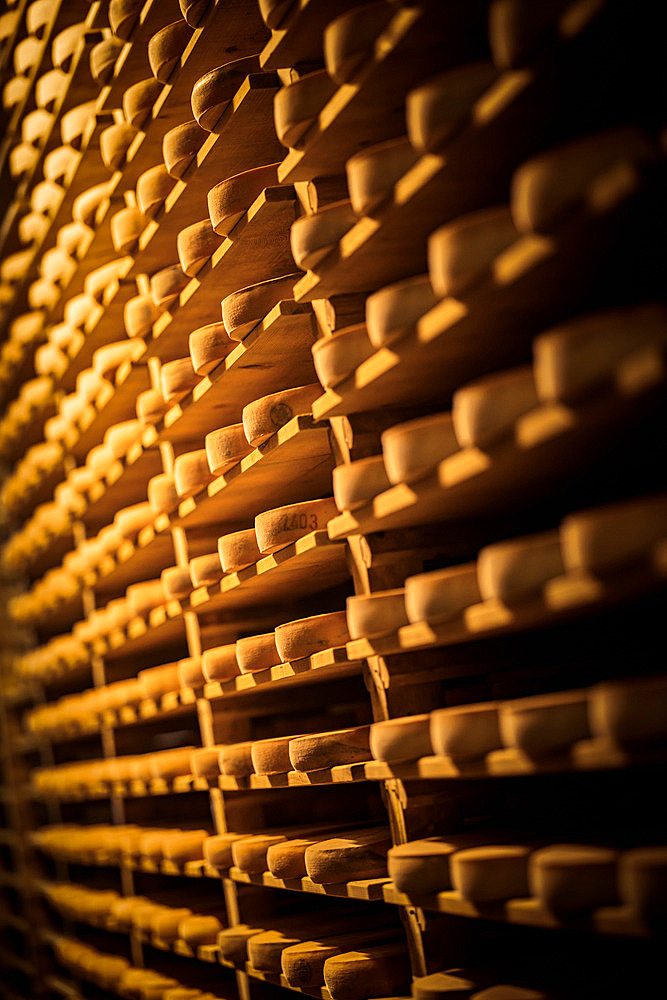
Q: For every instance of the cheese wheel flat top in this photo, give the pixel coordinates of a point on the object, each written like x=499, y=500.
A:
x=244, y=309
x=196, y=244
x=119, y=437
x=349, y=39
x=220, y=663
x=441, y=594
x=266, y=415
x=232, y=197
x=306, y=636
x=205, y=570
x=238, y=549
x=545, y=724
x=122, y=16
x=192, y=472
x=407, y=738
x=139, y=99
x=466, y=731
x=212, y=92
x=256, y=652
x=569, y=878
x=372, y=172
x=353, y=975
x=343, y=859
x=271, y=756
x=485, y=411
x=166, y=47
x=551, y=184
x=143, y=597
x=265, y=949
x=297, y=104
x=326, y=750
x=313, y=236
x=226, y=447
x=513, y=570
x=180, y=145
x=603, y=539
x=208, y=346
x=165, y=924
x=436, y=109
x=233, y=942
x=376, y=614
x=490, y=874
x=629, y=712
x=393, y=310
x=279, y=527
x=461, y=253
x=126, y=227
x=357, y=483
x=337, y=356
x=152, y=188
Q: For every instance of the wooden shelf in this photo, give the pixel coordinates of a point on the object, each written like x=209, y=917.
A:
x=142, y=559
x=334, y=661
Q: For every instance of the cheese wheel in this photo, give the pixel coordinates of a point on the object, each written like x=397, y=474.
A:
x=509, y=993
x=97, y=282
x=49, y=86
x=192, y=11
x=273, y=12
x=544, y=724
x=65, y=43
x=197, y=930
x=60, y=164
x=152, y=189
x=212, y=92
x=177, y=378
x=344, y=859
x=354, y=975
x=603, y=539
x=461, y=254
x=114, y=144
x=165, y=48
x=297, y=104
x=43, y=294
x=287, y=858
x=485, y=411
x=423, y=867
x=130, y=520
x=514, y=570
x=26, y=53
x=179, y=146
x=456, y=984
x=186, y=845
x=225, y=448
x=271, y=756
x=15, y=91
x=629, y=713
x=192, y=472
x=642, y=880
x=166, y=285
x=326, y=750
x=265, y=949
x=229, y=200
x=76, y=123
x=546, y=188
x=256, y=652
x=205, y=570
x=337, y=356
x=33, y=227
x=357, y=483
x=349, y=39
x=151, y=406
x=407, y=738
x=196, y=244
x=220, y=663
x=165, y=924
x=442, y=594
x=263, y=417
x=244, y=309
x=437, y=109
x=297, y=639
x=218, y=849
x=120, y=437
x=74, y=237
x=208, y=346
x=139, y=315
x=143, y=597
x=377, y=614
x=412, y=449
x=517, y=30
x=123, y=15
x=283, y=525
x=238, y=550
x=126, y=228
x=490, y=874
x=205, y=762
x=170, y=764
x=107, y=359
x=569, y=360
x=156, y=681
x=372, y=173
x=393, y=311
x=249, y=854
x=570, y=878
x=162, y=494
x=190, y=674
x=138, y=101
x=313, y=237
x=465, y=731
x=103, y=58
x=233, y=943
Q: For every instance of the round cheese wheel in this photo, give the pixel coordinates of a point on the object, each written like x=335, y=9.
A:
x=517, y=29
x=162, y=494
x=514, y=570
x=192, y=11
x=485, y=411
x=220, y=663
x=218, y=849
x=297, y=639
x=357, y=483
x=143, y=597
x=271, y=756
x=151, y=406
x=236, y=760
x=65, y=44
x=74, y=237
x=422, y=867
x=192, y=472
x=198, y=930
x=349, y=39
x=75, y=123
x=156, y=681
x=126, y=228
x=373, y=171
x=238, y=550
x=337, y=356
x=249, y=854
x=176, y=582
x=130, y=520
x=26, y=54
x=466, y=731
x=165, y=924
x=233, y=943
x=297, y=105
x=569, y=878
x=438, y=108
x=204, y=763
x=60, y=164
x=177, y=378
x=107, y=359
x=97, y=282
x=256, y=652
x=138, y=101
x=123, y=15
x=490, y=874
x=139, y=315
x=33, y=227
x=461, y=253
x=314, y=236
x=642, y=880
x=114, y=144
x=212, y=92
x=103, y=58
x=196, y=244
x=170, y=764
x=370, y=615
x=604, y=539
x=225, y=448
x=233, y=196
x=165, y=48
x=208, y=346
x=326, y=750
x=49, y=86
x=185, y=845
x=441, y=594
x=392, y=311
x=205, y=570
x=407, y=738
x=15, y=91
x=279, y=527
x=166, y=285
x=152, y=189
x=121, y=436
x=244, y=309
x=180, y=145
x=343, y=859
x=265, y=949
x=629, y=713
x=544, y=725
x=263, y=417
